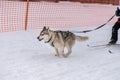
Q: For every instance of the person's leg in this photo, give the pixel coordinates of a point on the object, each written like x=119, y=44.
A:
x=114, y=36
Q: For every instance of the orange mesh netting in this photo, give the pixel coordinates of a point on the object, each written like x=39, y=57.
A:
x=12, y=15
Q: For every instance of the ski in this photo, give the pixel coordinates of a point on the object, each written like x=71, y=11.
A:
x=105, y=46
x=100, y=45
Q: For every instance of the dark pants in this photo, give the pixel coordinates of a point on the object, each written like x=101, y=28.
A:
x=115, y=31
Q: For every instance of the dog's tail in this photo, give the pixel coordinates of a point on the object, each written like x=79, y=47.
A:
x=81, y=38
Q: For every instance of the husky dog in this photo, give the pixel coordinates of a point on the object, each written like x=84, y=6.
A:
x=59, y=40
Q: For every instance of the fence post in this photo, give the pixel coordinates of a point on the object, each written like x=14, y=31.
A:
x=26, y=16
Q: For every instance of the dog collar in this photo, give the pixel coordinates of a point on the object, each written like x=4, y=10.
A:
x=49, y=40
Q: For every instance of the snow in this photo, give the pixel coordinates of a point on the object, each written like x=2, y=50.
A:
x=23, y=57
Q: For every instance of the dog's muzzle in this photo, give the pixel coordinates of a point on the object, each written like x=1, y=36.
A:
x=39, y=39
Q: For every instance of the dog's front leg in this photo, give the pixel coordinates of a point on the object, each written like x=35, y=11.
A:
x=57, y=53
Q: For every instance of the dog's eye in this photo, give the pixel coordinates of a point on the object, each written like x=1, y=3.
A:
x=45, y=33
x=42, y=33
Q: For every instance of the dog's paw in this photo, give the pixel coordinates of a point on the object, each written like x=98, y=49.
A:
x=64, y=55
x=57, y=55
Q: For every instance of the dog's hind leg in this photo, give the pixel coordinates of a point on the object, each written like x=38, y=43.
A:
x=57, y=53
x=69, y=51
x=67, y=54
x=69, y=46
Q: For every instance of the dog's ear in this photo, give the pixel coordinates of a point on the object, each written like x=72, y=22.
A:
x=44, y=28
x=47, y=28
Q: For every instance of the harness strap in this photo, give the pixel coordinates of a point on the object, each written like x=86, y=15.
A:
x=65, y=34
x=52, y=43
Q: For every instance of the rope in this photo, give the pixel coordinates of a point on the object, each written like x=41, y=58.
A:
x=85, y=31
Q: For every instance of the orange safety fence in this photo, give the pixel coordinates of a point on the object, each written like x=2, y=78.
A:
x=12, y=15
x=21, y=15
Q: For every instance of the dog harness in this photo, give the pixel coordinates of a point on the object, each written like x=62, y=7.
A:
x=65, y=35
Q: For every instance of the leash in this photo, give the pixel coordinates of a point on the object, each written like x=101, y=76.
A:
x=85, y=31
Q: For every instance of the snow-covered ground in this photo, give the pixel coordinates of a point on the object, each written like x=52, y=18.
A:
x=23, y=57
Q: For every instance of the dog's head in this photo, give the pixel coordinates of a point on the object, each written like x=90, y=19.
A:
x=44, y=34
